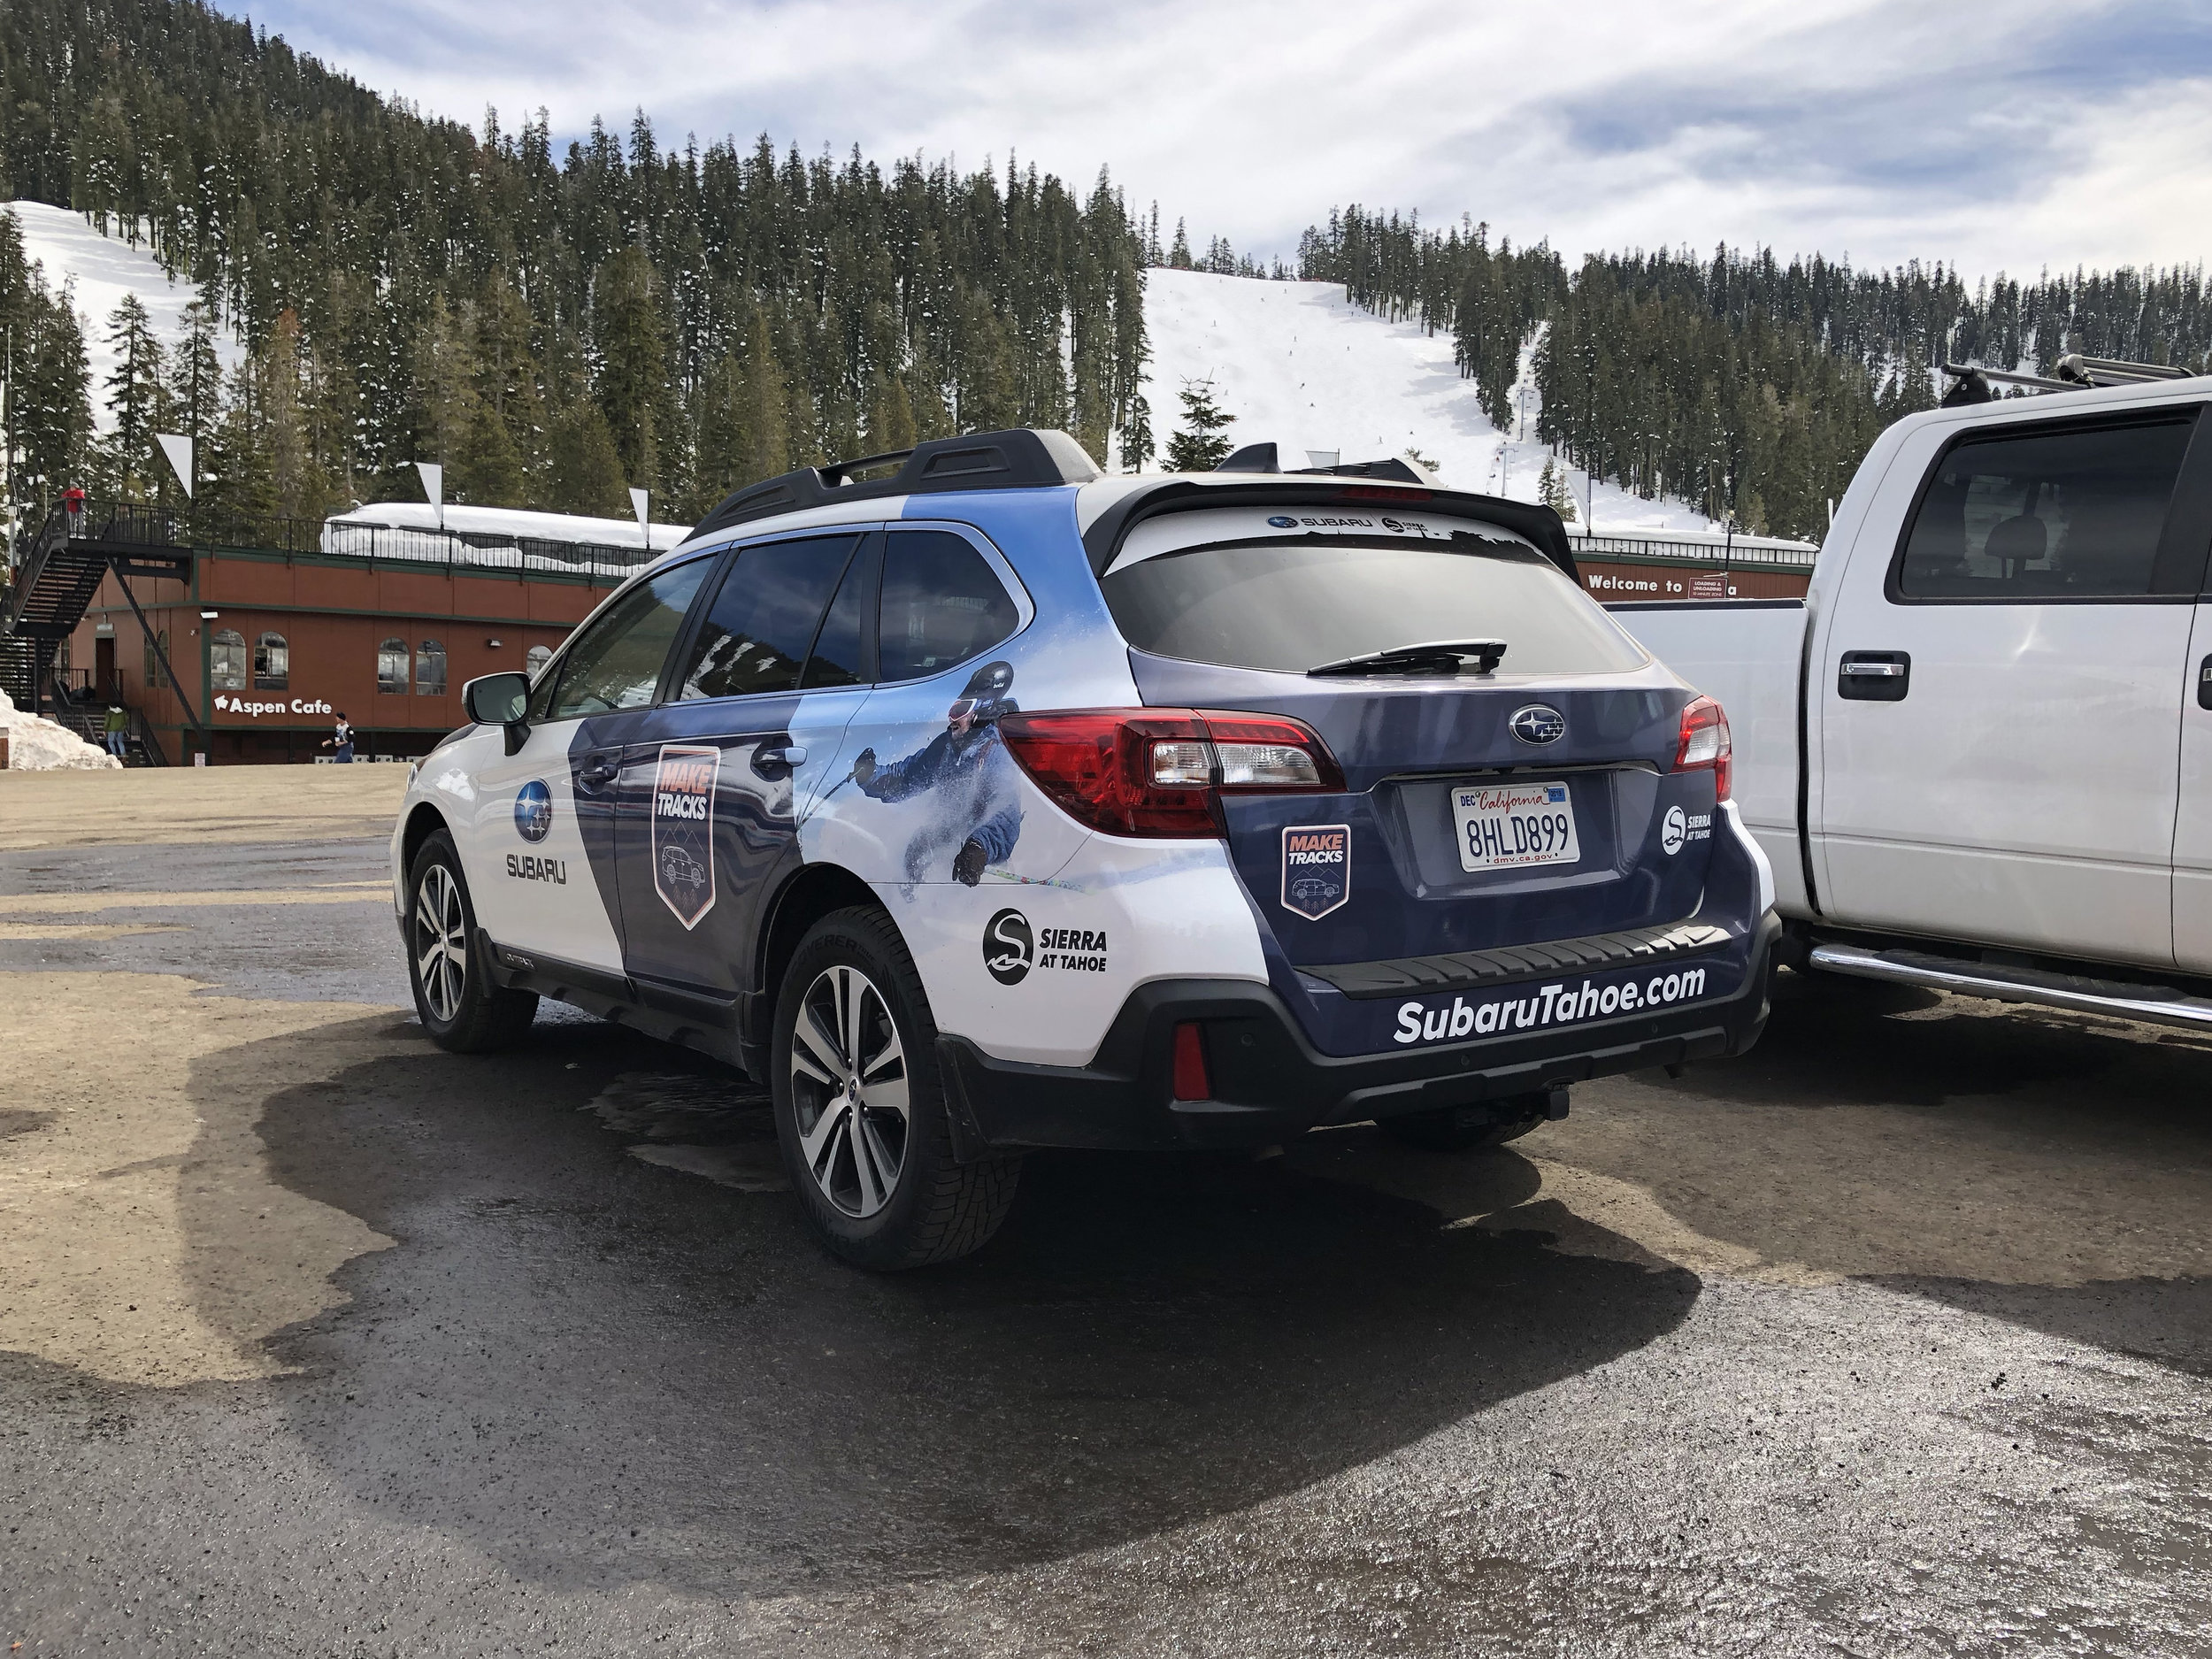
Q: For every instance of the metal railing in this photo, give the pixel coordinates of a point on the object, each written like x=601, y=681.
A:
x=1709, y=552
x=144, y=525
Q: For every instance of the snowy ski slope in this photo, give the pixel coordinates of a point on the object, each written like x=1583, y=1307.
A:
x=99, y=271
x=1295, y=363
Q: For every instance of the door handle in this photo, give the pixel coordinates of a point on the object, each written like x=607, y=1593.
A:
x=599, y=770
x=1874, y=676
x=2204, y=684
x=777, y=760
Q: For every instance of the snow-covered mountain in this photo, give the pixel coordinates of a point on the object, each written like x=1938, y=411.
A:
x=98, y=271
x=1296, y=362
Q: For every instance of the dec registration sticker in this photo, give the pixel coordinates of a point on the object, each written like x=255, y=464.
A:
x=1506, y=825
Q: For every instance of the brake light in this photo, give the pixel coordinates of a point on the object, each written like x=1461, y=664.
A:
x=1704, y=744
x=1160, y=772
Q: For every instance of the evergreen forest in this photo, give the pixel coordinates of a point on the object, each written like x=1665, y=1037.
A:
x=555, y=327
x=551, y=328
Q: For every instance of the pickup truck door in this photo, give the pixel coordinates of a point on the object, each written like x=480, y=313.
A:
x=2000, y=688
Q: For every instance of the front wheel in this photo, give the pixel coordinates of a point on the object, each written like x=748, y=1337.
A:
x=459, y=1006
x=860, y=1110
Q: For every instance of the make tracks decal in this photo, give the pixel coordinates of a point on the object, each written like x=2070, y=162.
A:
x=1317, y=868
x=683, y=830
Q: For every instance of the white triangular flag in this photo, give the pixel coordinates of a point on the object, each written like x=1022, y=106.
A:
x=637, y=503
x=179, y=453
x=433, y=481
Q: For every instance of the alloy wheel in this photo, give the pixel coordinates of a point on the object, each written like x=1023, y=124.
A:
x=441, y=941
x=849, y=1091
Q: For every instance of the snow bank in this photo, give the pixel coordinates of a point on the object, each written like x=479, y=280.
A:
x=101, y=270
x=36, y=744
x=1297, y=363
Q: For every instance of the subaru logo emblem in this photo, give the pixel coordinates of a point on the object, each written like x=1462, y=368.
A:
x=533, y=811
x=1538, y=724
x=1282, y=521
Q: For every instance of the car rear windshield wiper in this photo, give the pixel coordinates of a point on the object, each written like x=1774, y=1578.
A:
x=1449, y=656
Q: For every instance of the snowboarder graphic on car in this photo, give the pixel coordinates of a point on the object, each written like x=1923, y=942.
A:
x=966, y=768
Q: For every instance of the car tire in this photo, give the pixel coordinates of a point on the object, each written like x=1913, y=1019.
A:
x=870, y=1156
x=1467, y=1128
x=447, y=966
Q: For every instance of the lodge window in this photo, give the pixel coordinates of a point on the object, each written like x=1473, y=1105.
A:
x=430, y=669
x=272, y=663
x=391, y=667
x=154, y=676
x=226, y=660
x=534, y=663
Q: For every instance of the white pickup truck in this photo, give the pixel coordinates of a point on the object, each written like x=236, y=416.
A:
x=1978, y=753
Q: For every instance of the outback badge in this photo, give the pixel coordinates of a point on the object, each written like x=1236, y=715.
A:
x=1317, y=868
x=1537, y=723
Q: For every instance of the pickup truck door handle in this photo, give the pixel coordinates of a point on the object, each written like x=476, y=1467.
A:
x=1874, y=676
x=599, y=770
x=2204, y=684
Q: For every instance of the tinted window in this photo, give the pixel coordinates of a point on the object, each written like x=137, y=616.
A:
x=943, y=604
x=1292, y=606
x=838, y=648
x=2073, y=515
x=272, y=663
x=617, y=663
x=762, y=624
x=430, y=669
x=226, y=660
x=391, y=667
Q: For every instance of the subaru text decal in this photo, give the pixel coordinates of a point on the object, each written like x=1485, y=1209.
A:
x=1317, y=868
x=1537, y=723
x=683, y=830
x=1549, y=1005
x=533, y=811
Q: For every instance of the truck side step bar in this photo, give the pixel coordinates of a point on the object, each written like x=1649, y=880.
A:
x=2121, y=999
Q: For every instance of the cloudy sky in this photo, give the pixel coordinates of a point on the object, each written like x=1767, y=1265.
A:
x=2011, y=136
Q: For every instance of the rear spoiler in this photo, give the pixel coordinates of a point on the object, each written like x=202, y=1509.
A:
x=1541, y=527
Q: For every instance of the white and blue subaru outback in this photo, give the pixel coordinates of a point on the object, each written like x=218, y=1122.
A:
x=979, y=802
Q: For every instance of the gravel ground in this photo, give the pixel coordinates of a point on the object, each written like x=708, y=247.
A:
x=1894, y=1337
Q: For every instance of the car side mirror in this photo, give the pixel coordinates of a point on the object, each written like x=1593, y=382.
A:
x=500, y=700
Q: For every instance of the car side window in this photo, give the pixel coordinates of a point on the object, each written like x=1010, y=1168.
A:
x=942, y=604
x=2079, y=513
x=760, y=628
x=616, y=662
x=839, y=654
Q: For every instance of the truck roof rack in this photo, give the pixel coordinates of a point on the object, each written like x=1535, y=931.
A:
x=1021, y=459
x=2071, y=374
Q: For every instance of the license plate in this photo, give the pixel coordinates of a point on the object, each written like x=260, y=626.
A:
x=1508, y=826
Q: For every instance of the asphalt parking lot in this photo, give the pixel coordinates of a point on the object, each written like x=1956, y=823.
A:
x=1892, y=1338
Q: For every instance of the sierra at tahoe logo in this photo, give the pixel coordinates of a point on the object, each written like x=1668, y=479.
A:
x=1009, y=947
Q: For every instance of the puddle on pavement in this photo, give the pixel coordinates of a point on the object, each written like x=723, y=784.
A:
x=718, y=1128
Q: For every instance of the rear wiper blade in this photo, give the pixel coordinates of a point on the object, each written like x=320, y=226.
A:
x=1450, y=654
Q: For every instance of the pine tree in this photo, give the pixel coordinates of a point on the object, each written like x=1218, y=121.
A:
x=584, y=472
x=1555, y=492
x=136, y=398
x=1201, y=446
x=1136, y=443
x=1179, y=256
x=630, y=336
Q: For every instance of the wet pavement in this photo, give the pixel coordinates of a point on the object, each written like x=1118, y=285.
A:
x=1894, y=1337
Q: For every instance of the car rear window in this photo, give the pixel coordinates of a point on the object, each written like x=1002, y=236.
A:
x=1294, y=604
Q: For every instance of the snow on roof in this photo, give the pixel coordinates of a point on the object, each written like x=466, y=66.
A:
x=100, y=270
x=510, y=521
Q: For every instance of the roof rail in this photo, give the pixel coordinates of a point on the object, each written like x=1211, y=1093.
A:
x=1021, y=459
x=2072, y=372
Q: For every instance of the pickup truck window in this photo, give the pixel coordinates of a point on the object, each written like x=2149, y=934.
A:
x=2043, y=514
x=1293, y=605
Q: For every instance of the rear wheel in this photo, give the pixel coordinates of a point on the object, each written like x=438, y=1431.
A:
x=1467, y=1128
x=860, y=1111
x=459, y=1006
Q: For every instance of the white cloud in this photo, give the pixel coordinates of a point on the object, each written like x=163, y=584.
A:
x=2040, y=132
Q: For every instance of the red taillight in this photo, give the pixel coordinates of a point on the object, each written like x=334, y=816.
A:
x=1190, y=1081
x=1704, y=744
x=1157, y=771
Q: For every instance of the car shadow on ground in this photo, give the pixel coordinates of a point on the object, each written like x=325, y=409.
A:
x=598, y=1371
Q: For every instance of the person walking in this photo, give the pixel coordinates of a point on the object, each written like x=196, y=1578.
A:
x=342, y=741
x=117, y=724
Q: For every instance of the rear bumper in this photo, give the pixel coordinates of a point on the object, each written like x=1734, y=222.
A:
x=1272, y=1083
